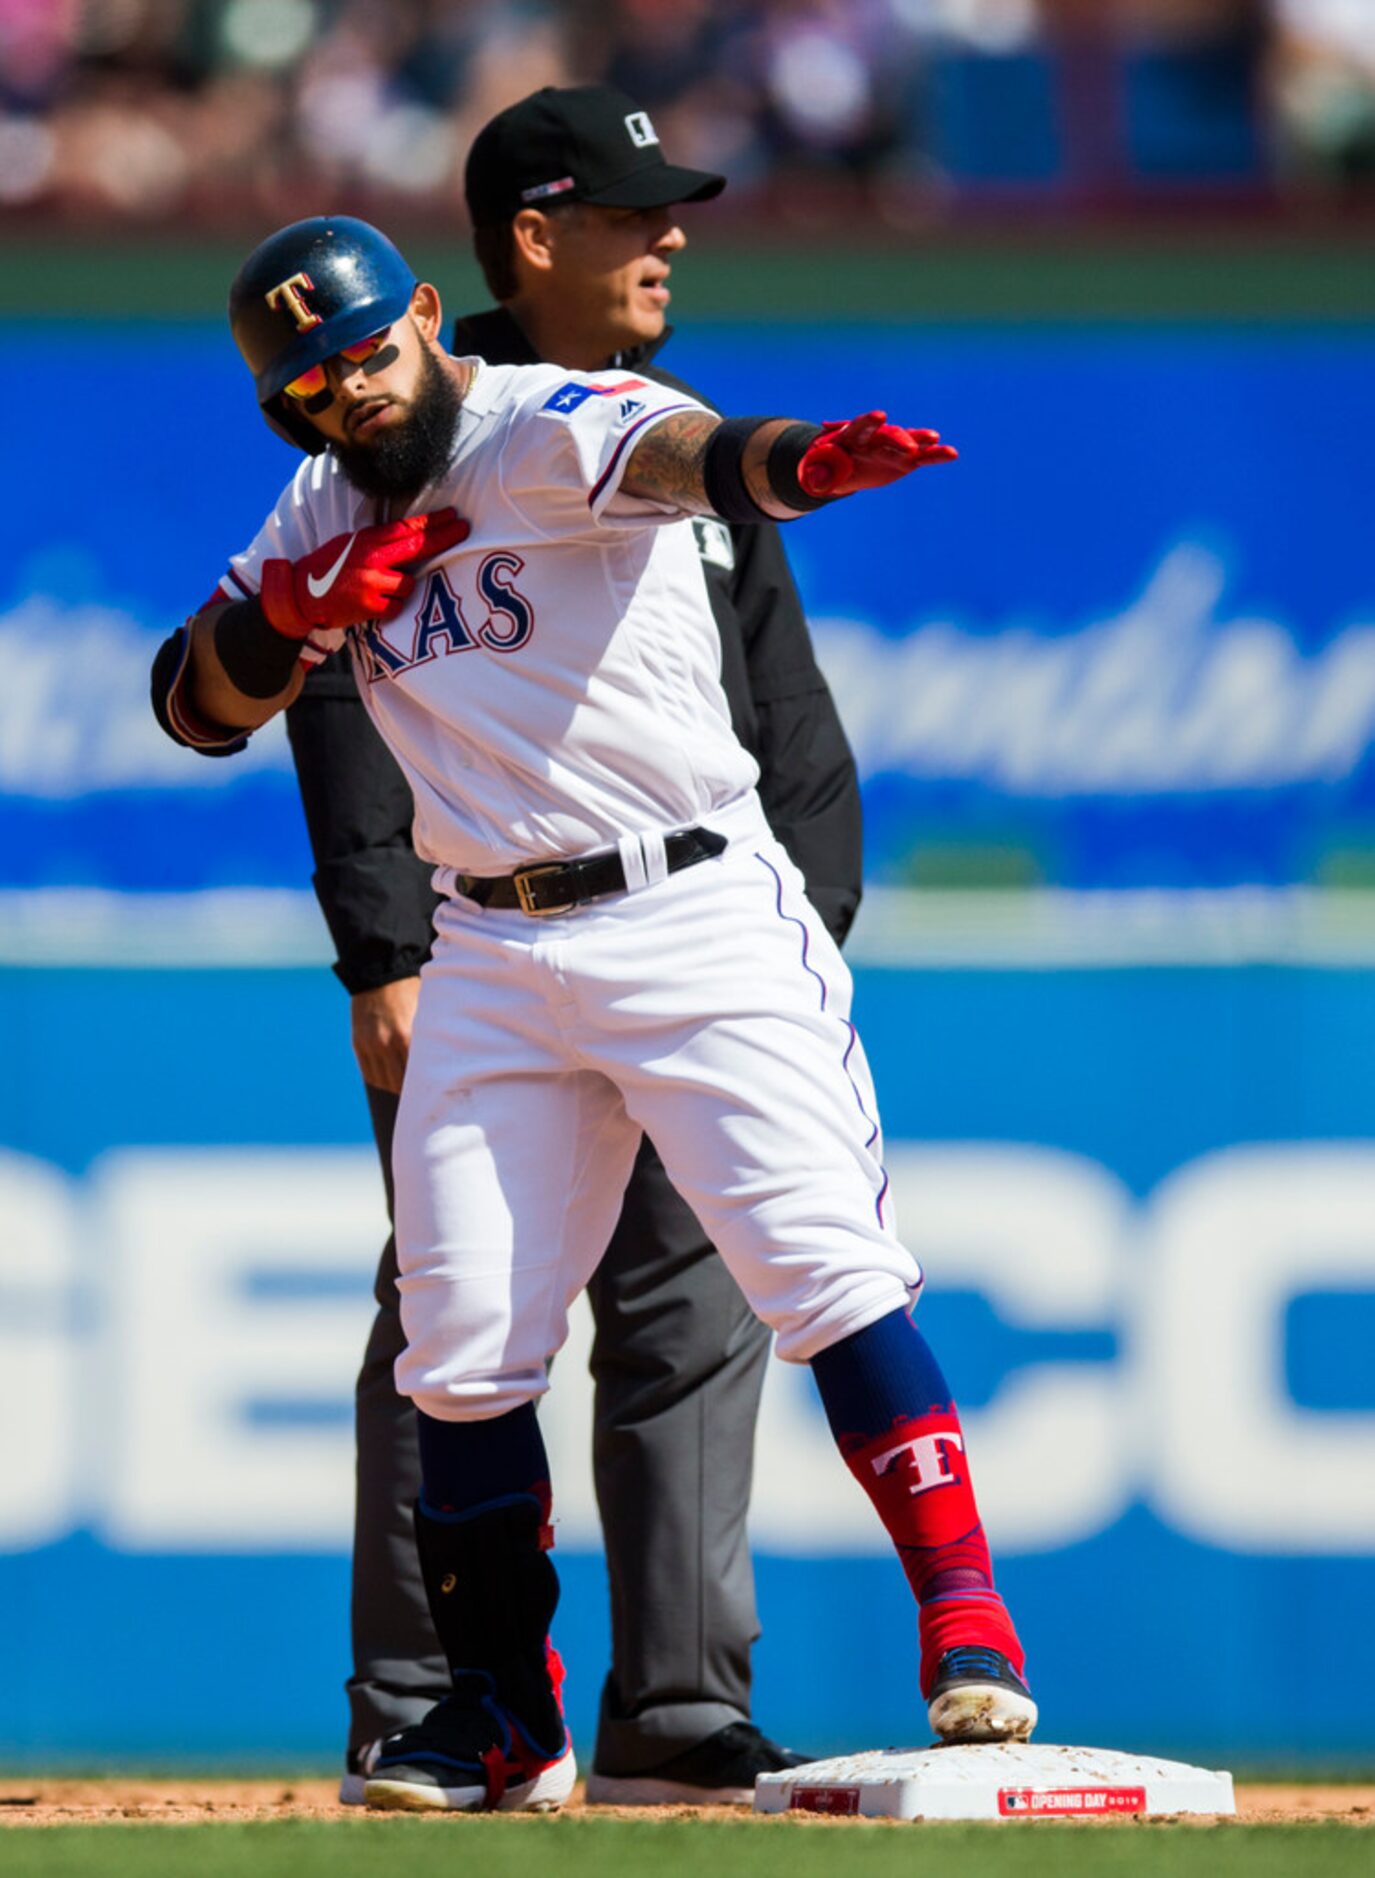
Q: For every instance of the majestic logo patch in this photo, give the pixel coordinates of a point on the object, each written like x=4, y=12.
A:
x=290, y=293
x=630, y=407
x=642, y=132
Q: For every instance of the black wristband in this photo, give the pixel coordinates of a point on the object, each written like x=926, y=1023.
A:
x=785, y=453
x=722, y=474
x=257, y=659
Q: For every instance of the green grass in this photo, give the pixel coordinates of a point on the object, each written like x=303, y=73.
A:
x=579, y=1848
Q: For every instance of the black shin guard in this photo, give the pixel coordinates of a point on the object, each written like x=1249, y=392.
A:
x=492, y=1591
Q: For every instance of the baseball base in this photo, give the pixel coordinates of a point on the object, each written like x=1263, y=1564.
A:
x=994, y=1781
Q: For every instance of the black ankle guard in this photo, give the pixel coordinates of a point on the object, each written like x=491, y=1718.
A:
x=257, y=659
x=492, y=1591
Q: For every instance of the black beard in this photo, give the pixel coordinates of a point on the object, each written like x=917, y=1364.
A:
x=405, y=457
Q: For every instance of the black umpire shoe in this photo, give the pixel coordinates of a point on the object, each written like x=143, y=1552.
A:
x=978, y=1696
x=720, y=1771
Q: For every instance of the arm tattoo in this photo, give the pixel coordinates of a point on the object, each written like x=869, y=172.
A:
x=666, y=466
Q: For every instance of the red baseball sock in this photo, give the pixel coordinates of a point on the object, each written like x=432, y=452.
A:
x=917, y=1476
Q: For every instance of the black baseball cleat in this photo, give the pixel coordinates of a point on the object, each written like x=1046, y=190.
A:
x=720, y=1771
x=978, y=1696
x=469, y=1754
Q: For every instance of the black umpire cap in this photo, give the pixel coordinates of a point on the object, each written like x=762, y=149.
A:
x=581, y=143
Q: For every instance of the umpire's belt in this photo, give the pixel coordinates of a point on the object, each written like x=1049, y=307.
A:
x=547, y=887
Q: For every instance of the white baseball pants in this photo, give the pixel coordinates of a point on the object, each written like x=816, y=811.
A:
x=710, y=1011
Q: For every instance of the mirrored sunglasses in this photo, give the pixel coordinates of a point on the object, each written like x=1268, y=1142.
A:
x=312, y=387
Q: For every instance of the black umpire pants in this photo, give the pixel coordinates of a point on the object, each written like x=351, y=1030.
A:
x=678, y=1364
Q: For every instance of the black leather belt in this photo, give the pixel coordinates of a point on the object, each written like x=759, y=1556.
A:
x=547, y=887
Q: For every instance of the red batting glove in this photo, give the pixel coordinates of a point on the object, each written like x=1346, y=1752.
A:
x=865, y=453
x=355, y=577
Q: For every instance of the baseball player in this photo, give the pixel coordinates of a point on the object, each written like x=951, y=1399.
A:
x=678, y=1357
x=622, y=947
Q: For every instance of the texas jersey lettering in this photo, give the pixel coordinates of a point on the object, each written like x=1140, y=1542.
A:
x=441, y=623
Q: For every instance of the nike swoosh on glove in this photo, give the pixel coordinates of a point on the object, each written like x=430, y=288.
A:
x=865, y=453
x=355, y=577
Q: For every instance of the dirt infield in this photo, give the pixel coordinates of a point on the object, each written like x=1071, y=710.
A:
x=43, y=1802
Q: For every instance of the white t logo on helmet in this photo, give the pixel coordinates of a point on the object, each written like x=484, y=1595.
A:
x=642, y=132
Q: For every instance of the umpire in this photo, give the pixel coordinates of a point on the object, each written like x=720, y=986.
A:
x=572, y=208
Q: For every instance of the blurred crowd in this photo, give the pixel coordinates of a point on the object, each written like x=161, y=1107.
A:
x=236, y=108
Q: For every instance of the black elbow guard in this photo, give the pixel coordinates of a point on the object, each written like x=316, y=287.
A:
x=170, y=708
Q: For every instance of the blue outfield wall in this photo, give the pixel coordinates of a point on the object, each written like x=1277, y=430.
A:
x=1128, y=637
x=1147, y=1203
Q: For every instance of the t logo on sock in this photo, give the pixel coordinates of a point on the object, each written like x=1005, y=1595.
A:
x=916, y=1474
x=929, y=1466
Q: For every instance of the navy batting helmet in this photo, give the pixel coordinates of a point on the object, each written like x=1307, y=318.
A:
x=302, y=296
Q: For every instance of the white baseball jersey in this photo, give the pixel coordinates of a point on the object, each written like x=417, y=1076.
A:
x=552, y=687
x=553, y=683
